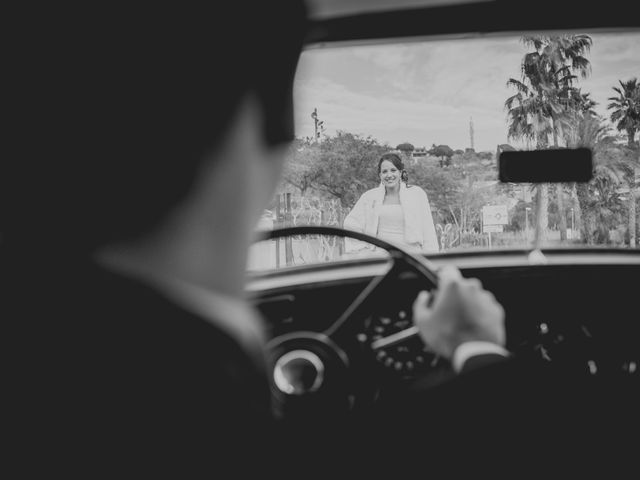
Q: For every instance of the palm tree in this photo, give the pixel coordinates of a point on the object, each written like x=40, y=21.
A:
x=584, y=128
x=615, y=169
x=545, y=100
x=589, y=132
x=566, y=57
x=585, y=103
x=600, y=201
x=626, y=108
x=528, y=119
x=626, y=116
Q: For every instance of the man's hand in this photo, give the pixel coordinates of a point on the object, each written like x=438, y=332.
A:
x=462, y=311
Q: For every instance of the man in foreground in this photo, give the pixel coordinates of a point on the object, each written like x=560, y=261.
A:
x=142, y=157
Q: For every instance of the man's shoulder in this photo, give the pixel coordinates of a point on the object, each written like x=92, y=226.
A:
x=149, y=342
x=103, y=312
x=134, y=305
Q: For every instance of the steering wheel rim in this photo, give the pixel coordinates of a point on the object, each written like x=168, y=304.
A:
x=397, y=254
x=328, y=345
x=421, y=264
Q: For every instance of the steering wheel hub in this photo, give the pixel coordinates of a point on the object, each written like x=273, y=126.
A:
x=298, y=372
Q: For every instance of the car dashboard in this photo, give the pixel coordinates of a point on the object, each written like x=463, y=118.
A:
x=577, y=308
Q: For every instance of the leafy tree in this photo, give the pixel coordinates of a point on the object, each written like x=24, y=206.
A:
x=348, y=166
x=469, y=202
x=442, y=189
x=626, y=108
x=406, y=148
x=454, y=196
x=444, y=152
x=517, y=217
x=302, y=167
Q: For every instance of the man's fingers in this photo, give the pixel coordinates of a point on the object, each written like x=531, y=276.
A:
x=448, y=274
x=422, y=300
x=475, y=283
x=423, y=297
x=421, y=303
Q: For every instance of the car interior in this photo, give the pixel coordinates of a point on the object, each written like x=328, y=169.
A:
x=341, y=329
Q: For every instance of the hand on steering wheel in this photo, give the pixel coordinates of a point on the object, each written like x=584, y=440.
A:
x=461, y=312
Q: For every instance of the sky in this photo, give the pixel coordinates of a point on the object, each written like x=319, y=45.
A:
x=426, y=93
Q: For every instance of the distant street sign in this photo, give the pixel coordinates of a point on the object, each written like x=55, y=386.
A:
x=494, y=215
x=492, y=229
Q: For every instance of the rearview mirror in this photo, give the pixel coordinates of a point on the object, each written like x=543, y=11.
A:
x=546, y=166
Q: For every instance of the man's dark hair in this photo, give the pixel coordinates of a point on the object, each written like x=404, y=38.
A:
x=112, y=112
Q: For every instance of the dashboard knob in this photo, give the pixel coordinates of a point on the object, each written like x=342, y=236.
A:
x=298, y=372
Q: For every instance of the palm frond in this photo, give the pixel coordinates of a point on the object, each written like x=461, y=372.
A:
x=518, y=85
x=547, y=102
x=509, y=102
x=535, y=41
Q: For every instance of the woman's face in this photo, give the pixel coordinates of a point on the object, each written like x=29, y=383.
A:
x=389, y=174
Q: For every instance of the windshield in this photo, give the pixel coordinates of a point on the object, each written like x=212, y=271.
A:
x=441, y=112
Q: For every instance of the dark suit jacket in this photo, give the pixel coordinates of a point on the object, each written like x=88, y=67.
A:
x=106, y=370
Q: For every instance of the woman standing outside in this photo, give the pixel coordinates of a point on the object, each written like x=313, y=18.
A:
x=394, y=211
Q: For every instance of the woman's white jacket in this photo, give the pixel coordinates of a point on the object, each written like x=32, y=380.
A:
x=418, y=221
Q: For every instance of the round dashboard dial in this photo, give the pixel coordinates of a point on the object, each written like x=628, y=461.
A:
x=407, y=358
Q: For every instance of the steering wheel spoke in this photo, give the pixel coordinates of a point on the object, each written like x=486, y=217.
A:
x=328, y=355
x=363, y=303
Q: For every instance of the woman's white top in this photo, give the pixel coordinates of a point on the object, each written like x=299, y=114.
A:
x=391, y=223
x=417, y=227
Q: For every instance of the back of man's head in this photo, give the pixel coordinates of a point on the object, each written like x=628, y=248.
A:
x=112, y=111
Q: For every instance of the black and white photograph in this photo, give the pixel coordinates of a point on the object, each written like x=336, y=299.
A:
x=346, y=238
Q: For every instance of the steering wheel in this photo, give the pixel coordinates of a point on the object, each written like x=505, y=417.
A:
x=315, y=368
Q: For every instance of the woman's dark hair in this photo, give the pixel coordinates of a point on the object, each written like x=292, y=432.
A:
x=397, y=162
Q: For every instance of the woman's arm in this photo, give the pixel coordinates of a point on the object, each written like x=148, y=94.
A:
x=428, y=228
x=355, y=220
